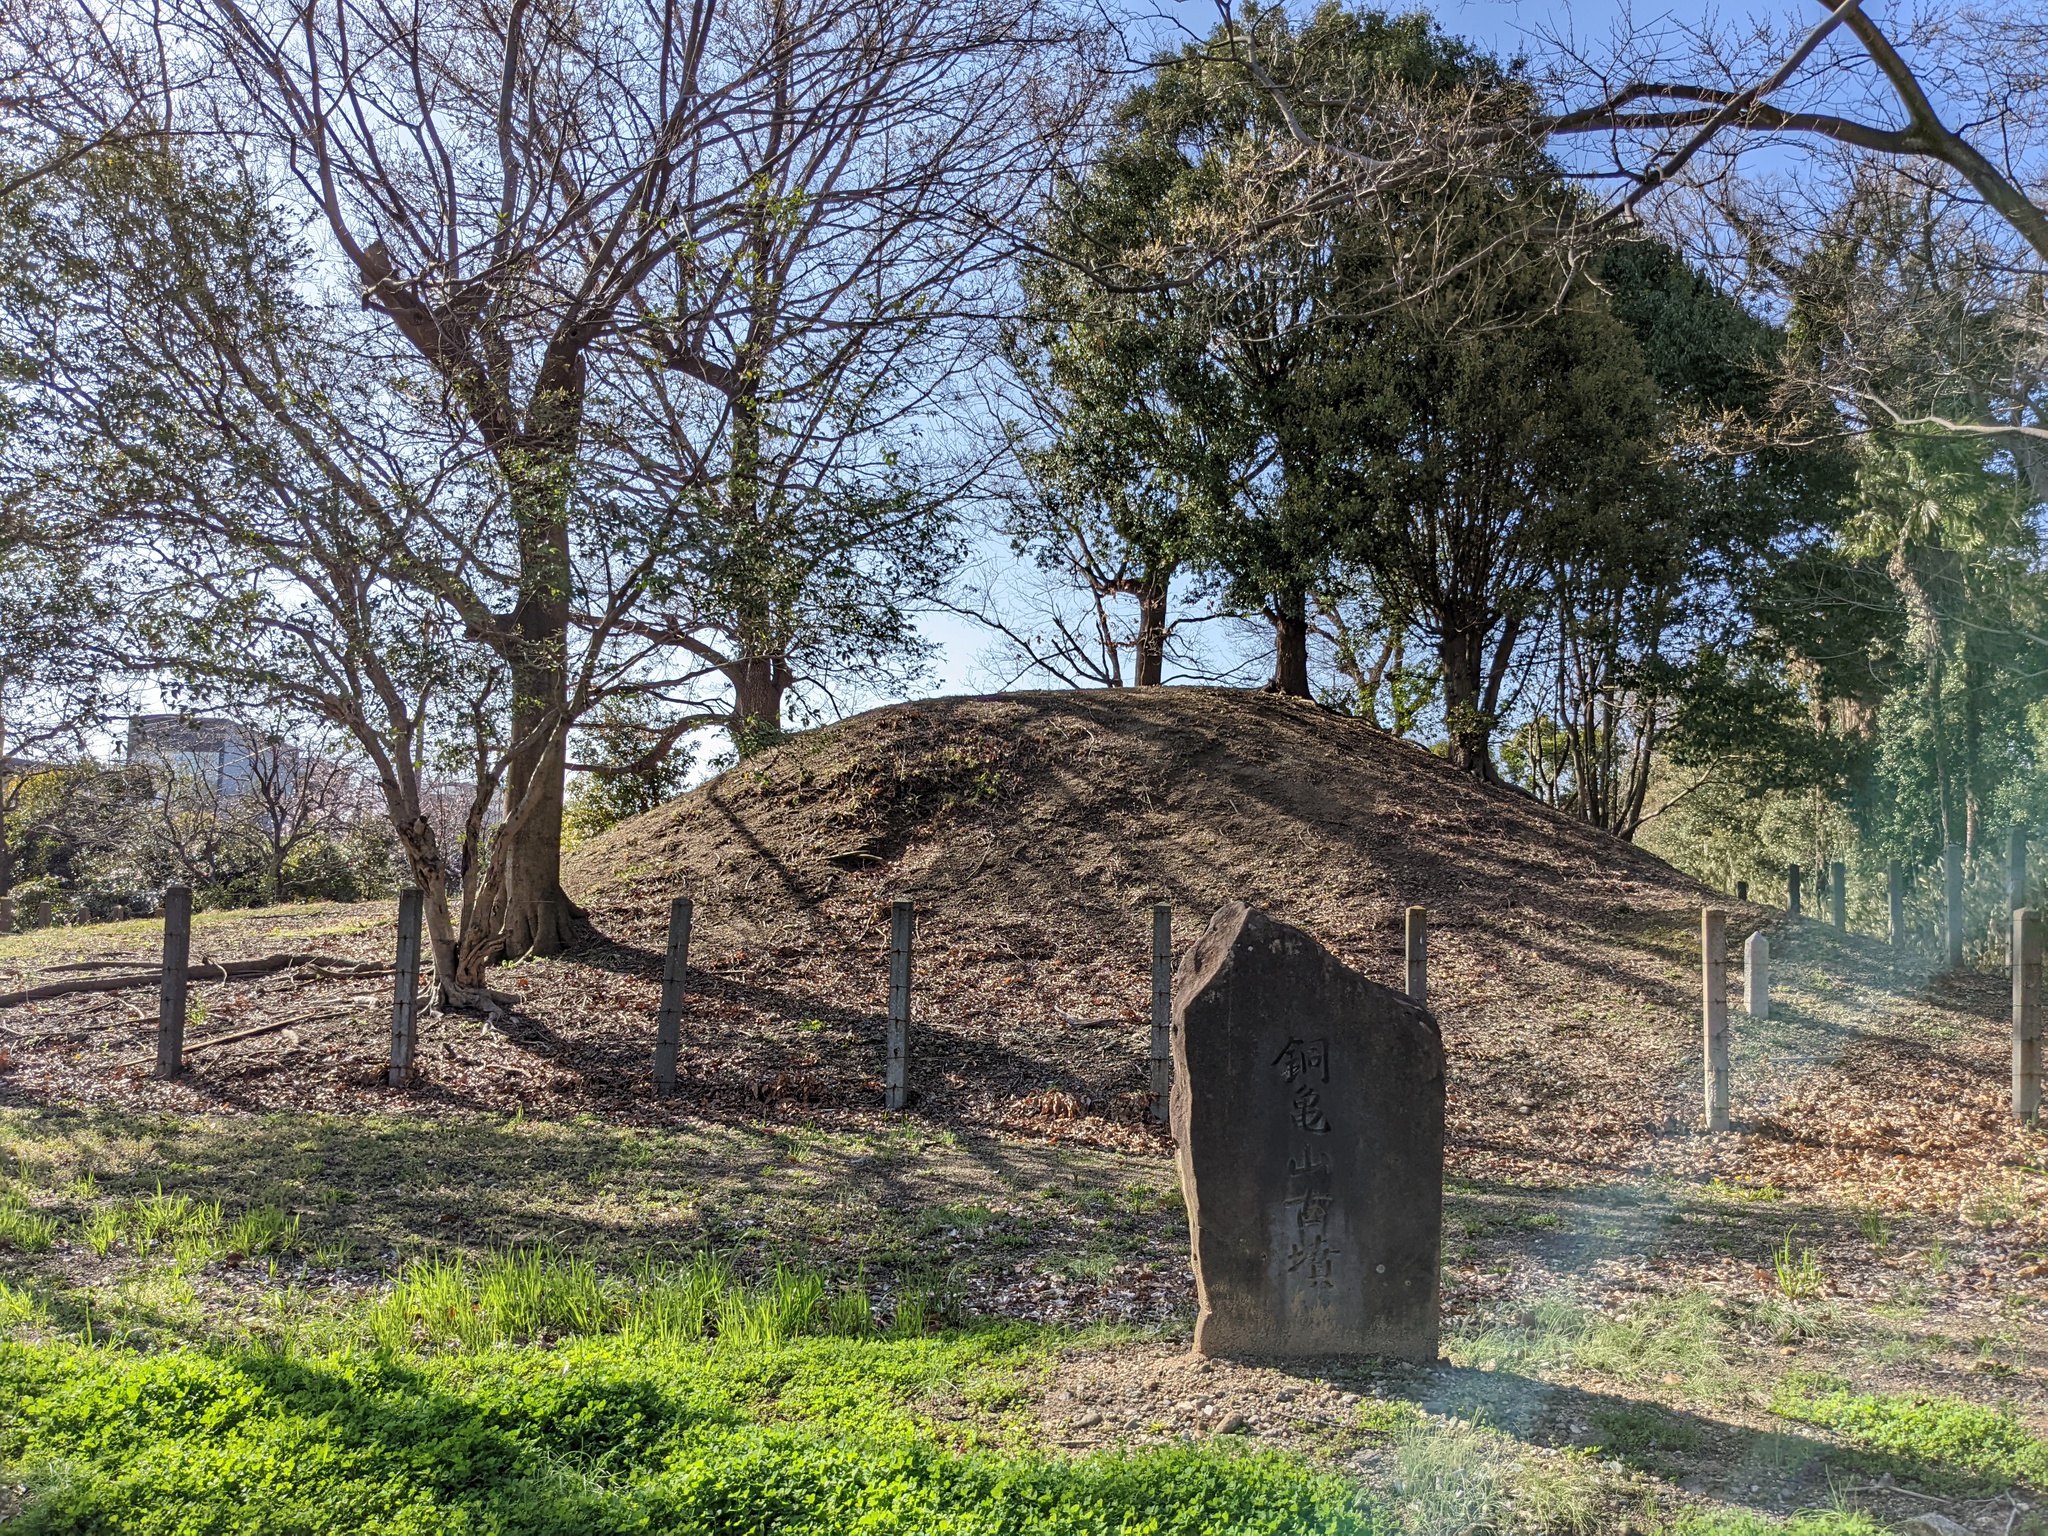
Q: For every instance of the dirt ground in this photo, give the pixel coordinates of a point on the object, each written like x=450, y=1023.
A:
x=1034, y=832
x=1625, y=1297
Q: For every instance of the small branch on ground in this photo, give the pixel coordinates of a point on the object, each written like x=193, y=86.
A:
x=224, y=970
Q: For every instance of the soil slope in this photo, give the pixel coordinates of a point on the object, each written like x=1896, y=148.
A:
x=1034, y=831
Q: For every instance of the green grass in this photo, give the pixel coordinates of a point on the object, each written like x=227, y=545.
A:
x=806, y=1438
x=1644, y=1435
x=23, y=1229
x=19, y=1308
x=529, y=1294
x=1449, y=1481
x=1800, y=1277
x=1681, y=1336
x=1722, y=1522
x=1941, y=1434
x=840, y=1202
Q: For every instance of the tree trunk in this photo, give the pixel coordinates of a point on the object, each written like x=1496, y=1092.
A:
x=6, y=798
x=1973, y=742
x=1290, y=645
x=1937, y=716
x=538, y=917
x=1469, y=728
x=1151, y=660
x=459, y=959
x=758, y=686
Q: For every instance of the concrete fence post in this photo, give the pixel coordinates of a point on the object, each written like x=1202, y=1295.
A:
x=1161, y=1080
x=2015, y=871
x=170, y=1012
x=1792, y=889
x=405, y=988
x=1415, y=945
x=1895, y=890
x=2026, y=1014
x=1756, y=976
x=896, y=1065
x=1714, y=1012
x=1952, y=890
x=668, y=1024
x=1838, y=894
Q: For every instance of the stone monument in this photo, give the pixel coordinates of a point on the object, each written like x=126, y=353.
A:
x=1308, y=1109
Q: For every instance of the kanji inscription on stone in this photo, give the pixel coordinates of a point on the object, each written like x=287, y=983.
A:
x=1308, y=1109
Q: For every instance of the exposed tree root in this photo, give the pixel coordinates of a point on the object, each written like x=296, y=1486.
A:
x=240, y=1034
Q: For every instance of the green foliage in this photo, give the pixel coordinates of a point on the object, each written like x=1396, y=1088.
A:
x=23, y=1229
x=1941, y=1433
x=632, y=763
x=19, y=1308
x=803, y=1440
x=91, y=837
x=1285, y=421
x=1799, y=1277
x=70, y=831
x=1754, y=728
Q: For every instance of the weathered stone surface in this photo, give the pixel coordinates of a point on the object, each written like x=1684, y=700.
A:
x=1308, y=1105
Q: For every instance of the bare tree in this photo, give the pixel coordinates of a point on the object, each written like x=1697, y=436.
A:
x=195, y=831
x=800, y=406
x=297, y=787
x=1674, y=99
x=509, y=188
x=1066, y=619
x=313, y=536
x=74, y=80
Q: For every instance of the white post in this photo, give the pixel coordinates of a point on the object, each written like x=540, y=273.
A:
x=2026, y=1014
x=1756, y=976
x=1952, y=908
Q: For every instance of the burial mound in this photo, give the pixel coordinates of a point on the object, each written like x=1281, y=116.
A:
x=1034, y=831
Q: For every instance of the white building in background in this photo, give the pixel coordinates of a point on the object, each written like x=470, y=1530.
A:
x=202, y=746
